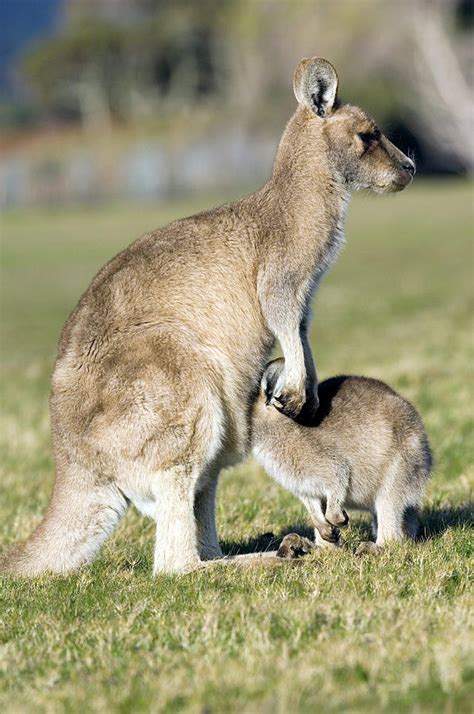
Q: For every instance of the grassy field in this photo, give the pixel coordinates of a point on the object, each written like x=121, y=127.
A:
x=338, y=634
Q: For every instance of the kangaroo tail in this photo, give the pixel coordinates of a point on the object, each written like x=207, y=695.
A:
x=76, y=524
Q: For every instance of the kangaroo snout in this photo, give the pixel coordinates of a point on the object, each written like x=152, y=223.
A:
x=403, y=167
x=409, y=166
x=406, y=173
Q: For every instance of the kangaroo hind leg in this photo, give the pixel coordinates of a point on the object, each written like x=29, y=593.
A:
x=204, y=510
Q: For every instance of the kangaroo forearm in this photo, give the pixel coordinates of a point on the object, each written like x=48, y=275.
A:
x=310, y=366
x=283, y=315
x=294, y=354
x=282, y=298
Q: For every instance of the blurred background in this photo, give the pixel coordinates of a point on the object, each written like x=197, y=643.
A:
x=149, y=99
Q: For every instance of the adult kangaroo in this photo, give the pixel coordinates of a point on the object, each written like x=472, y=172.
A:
x=160, y=361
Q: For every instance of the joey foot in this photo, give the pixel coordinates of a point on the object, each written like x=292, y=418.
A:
x=337, y=516
x=329, y=533
x=294, y=546
x=368, y=548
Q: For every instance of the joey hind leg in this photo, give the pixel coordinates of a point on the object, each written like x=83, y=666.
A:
x=390, y=522
x=386, y=526
x=396, y=521
x=334, y=513
x=205, y=514
x=336, y=493
x=325, y=534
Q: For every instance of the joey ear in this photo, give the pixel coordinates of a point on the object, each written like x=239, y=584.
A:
x=315, y=85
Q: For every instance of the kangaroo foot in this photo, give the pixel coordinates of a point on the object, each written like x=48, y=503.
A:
x=294, y=546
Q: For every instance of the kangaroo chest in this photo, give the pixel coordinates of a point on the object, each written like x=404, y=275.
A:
x=331, y=245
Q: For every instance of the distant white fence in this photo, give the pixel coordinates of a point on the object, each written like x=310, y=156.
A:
x=147, y=169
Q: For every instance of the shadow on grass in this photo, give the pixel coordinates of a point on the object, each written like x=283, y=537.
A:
x=434, y=522
x=271, y=541
x=265, y=541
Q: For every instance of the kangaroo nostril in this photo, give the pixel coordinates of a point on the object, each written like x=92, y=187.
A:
x=409, y=166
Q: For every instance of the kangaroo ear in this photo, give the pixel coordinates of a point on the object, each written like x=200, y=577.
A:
x=315, y=85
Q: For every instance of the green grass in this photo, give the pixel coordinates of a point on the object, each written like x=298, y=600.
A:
x=336, y=634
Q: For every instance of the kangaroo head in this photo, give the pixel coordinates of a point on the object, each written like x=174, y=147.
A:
x=356, y=148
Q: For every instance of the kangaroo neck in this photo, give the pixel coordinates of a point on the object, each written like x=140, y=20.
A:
x=305, y=195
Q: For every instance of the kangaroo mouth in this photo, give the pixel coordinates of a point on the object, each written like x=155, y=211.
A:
x=405, y=178
x=397, y=184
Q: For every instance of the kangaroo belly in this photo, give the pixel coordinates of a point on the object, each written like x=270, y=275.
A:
x=299, y=484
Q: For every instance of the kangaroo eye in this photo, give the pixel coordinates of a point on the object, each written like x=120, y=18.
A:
x=369, y=137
